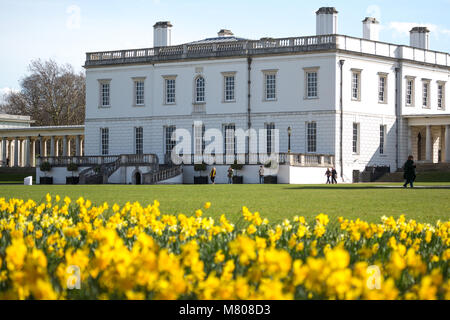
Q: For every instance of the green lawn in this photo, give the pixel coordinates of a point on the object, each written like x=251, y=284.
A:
x=276, y=202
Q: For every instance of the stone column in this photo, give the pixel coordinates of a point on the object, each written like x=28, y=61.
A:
x=64, y=147
x=429, y=145
x=4, y=142
x=52, y=146
x=27, y=151
x=16, y=152
x=447, y=143
x=78, y=146
x=409, y=141
x=33, y=153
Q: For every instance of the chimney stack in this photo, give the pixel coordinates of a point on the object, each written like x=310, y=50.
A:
x=326, y=21
x=371, y=29
x=162, y=34
x=420, y=38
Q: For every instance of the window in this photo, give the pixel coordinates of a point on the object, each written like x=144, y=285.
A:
x=139, y=140
x=409, y=91
x=104, y=132
x=356, y=84
x=139, y=92
x=270, y=86
x=355, y=138
x=425, y=94
x=441, y=96
x=200, y=90
x=311, y=82
x=230, y=139
x=270, y=137
x=229, y=81
x=382, y=88
x=105, y=92
x=311, y=136
x=169, y=89
x=382, y=138
x=199, y=141
x=169, y=143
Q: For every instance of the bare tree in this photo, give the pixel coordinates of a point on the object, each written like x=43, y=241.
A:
x=52, y=95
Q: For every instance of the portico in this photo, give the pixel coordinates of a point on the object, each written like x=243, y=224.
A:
x=429, y=138
x=21, y=145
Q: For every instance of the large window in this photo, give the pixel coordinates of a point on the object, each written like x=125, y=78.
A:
x=270, y=85
x=104, y=136
x=200, y=90
x=426, y=94
x=356, y=84
x=382, y=138
x=441, y=96
x=355, y=141
x=311, y=82
x=229, y=81
x=139, y=140
x=169, y=90
x=139, y=92
x=230, y=139
x=199, y=141
x=409, y=99
x=169, y=143
x=382, y=88
x=105, y=92
x=270, y=137
x=311, y=136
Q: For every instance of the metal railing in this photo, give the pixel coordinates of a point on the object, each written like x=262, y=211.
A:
x=88, y=161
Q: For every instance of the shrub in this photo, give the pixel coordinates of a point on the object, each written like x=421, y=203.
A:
x=45, y=166
x=237, y=166
x=72, y=167
x=200, y=167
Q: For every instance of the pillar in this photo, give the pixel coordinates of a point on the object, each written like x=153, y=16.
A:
x=52, y=146
x=447, y=143
x=4, y=142
x=33, y=153
x=409, y=141
x=78, y=146
x=27, y=151
x=64, y=147
x=429, y=145
x=16, y=152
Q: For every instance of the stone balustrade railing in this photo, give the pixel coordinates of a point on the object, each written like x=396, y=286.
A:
x=89, y=161
x=267, y=45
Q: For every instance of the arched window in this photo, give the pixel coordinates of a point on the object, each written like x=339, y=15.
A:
x=200, y=89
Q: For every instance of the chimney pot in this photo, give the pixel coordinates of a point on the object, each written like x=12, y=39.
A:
x=326, y=21
x=162, y=34
x=420, y=38
x=371, y=29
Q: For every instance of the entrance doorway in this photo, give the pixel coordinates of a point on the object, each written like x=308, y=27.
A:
x=137, y=177
x=419, y=147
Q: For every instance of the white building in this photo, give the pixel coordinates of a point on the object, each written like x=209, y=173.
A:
x=349, y=102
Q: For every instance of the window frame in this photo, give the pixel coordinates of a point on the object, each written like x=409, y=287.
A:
x=136, y=139
x=311, y=137
x=137, y=80
x=104, y=141
x=358, y=73
x=227, y=139
x=196, y=89
x=231, y=74
x=166, y=79
x=442, y=94
x=356, y=144
x=195, y=127
x=168, y=139
x=382, y=75
x=412, y=94
x=383, y=134
x=101, y=83
x=270, y=132
x=307, y=72
x=266, y=74
x=426, y=83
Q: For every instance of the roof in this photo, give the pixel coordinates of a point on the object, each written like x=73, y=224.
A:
x=372, y=20
x=420, y=29
x=218, y=40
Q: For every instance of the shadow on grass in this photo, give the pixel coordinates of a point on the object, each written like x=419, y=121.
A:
x=365, y=187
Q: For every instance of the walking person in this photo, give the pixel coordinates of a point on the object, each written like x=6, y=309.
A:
x=333, y=176
x=212, y=175
x=230, y=175
x=328, y=175
x=409, y=169
x=261, y=174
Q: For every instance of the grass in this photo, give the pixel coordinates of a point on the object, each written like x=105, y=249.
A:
x=276, y=202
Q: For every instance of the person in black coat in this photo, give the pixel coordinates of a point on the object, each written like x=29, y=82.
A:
x=409, y=172
x=333, y=176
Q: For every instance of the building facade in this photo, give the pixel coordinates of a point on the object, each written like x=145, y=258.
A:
x=357, y=102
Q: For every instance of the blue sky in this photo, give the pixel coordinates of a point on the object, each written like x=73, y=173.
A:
x=66, y=30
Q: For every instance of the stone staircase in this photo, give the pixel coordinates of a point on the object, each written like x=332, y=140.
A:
x=165, y=172
x=424, y=171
